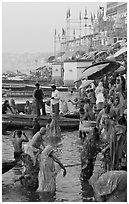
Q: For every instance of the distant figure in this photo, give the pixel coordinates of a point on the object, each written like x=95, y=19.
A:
x=55, y=100
x=38, y=96
x=17, y=141
x=27, y=108
x=47, y=172
x=13, y=106
x=6, y=107
x=36, y=126
x=99, y=93
x=108, y=111
x=53, y=128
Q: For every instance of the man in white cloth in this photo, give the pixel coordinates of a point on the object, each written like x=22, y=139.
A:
x=36, y=145
x=55, y=100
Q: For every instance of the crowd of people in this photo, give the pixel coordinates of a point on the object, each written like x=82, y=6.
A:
x=103, y=101
x=37, y=106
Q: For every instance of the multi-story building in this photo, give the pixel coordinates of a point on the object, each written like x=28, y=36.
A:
x=73, y=70
x=57, y=72
x=116, y=13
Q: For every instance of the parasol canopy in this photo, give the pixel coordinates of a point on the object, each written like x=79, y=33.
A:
x=85, y=83
x=51, y=59
x=101, y=53
x=97, y=70
x=121, y=69
x=120, y=52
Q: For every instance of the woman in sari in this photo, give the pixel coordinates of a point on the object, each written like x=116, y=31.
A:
x=47, y=171
x=118, y=107
x=53, y=128
x=99, y=93
x=108, y=186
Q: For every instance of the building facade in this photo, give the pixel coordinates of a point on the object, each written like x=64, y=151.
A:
x=57, y=73
x=73, y=70
x=116, y=13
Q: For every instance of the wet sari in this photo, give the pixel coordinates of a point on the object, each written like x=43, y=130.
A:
x=47, y=171
x=109, y=186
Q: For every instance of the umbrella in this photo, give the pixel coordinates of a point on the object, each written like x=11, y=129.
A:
x=121, y=70
x=51, y=58
x=121, y=51
x=85, y=83
x=41, y=68
x=111, y=58
x=79, y=78
x=116, y=45
x=100, y=53
x=60, y=54
x=98, y=70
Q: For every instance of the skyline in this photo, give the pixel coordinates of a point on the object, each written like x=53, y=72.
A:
x=30, y=26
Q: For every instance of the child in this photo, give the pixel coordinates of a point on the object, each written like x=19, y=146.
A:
x=17, y=143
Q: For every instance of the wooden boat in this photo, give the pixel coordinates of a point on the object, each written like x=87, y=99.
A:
x=21, y=121
x=17, y=90
x=7, y=165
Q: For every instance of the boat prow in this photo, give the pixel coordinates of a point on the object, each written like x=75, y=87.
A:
x=7, y=165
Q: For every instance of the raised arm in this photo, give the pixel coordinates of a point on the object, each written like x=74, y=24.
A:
x=54, y=157
x=25, y=138
x=57, y=96
x=10, y=109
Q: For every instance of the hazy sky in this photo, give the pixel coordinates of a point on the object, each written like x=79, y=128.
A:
x=29, y=26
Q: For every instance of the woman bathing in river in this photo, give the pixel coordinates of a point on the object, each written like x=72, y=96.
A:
x=47, y=172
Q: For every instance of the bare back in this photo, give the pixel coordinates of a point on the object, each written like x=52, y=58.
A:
x=17, y=143
x=36, y=140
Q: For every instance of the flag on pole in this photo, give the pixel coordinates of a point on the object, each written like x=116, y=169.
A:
x=59, y=37
x=68, y=13
x=74, y=31
x=92, y=18
x=55, y=32
x=63, y=32
x=102, y=9
x=80, y=16
x=98, y=14
x=85, y=12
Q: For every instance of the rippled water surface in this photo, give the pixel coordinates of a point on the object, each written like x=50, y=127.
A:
x=68, y=189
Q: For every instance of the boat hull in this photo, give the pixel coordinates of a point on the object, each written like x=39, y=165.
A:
x=7, y=165
x=21, y=121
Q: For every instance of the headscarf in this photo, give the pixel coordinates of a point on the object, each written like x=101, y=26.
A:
x=118, y=94
x=48, y=149
x=42, y=130
x=99, y=89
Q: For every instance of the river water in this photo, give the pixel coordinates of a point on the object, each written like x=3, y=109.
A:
x=68, y=189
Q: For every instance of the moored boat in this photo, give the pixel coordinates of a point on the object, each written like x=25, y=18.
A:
x=21, y=121
x=7, y=165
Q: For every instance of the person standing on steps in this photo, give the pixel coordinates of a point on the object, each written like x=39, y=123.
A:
x=38, y=96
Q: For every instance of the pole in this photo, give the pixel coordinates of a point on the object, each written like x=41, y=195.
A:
x=80, y=28
x=68, y=30
x=55, y=43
